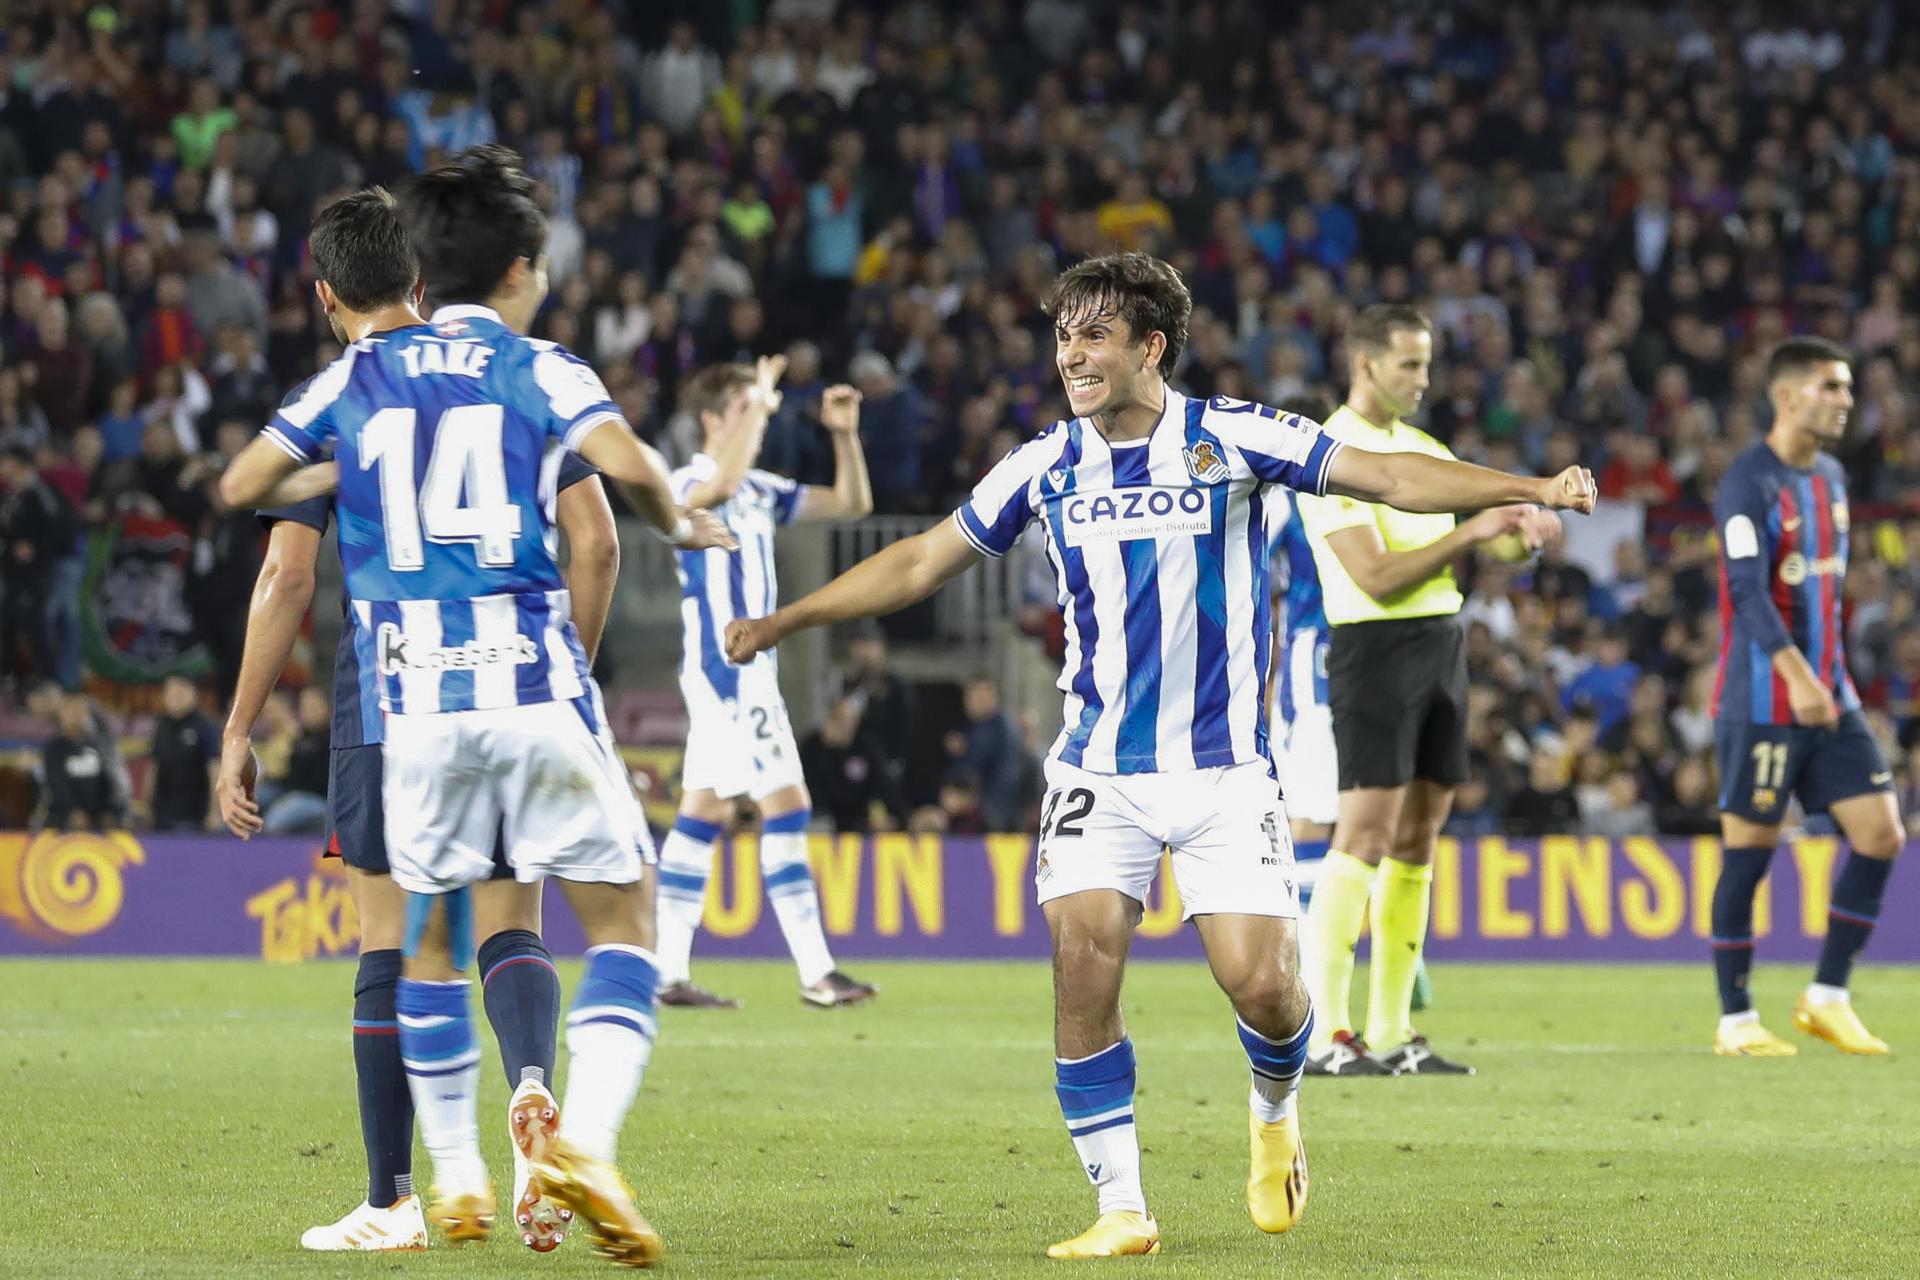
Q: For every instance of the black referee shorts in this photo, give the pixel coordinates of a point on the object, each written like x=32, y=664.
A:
x=1398, y=690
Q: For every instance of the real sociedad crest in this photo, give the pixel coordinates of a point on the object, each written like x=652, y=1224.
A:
x=1204, y=463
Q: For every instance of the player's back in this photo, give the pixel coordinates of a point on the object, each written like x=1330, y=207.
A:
x=449, y=438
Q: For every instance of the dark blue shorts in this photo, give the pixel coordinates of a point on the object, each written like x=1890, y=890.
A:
x=357, y=819
x=1762, y=765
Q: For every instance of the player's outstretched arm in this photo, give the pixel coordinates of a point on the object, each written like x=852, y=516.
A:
x=281, y=596
x=1421, y=483
x=851, y=496
x=593, y=558
x=257, y=478
x=910, y=570
x=744, y=426
x=638, y=469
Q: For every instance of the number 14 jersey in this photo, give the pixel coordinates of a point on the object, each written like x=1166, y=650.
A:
x=449, y=437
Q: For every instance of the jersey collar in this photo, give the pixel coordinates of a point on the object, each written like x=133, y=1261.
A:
x=465, y=311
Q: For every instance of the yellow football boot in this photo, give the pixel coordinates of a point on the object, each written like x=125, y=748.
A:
x=1750, y=1040
x=463, y=1217
x=1120, y=1234
x=1277, y=1174
x=596, y=1192
x=1838, y=1025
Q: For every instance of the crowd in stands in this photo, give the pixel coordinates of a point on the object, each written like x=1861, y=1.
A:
x=1610, y=211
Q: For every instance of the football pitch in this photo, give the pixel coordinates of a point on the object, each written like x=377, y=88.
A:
x=174, y=1118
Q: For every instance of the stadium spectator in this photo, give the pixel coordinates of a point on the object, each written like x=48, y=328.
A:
x=846, y=774
x=81, y=794
x=36, y=537
x=985, y=754
x=185, y=752
x=301, y=806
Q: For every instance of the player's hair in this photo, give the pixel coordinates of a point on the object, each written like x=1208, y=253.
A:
x=1308, y=404
x=1137, y=287
x=470, y=220
x=1373, y=329
x=1797, y=355
x=709, y=390
x=360, y=248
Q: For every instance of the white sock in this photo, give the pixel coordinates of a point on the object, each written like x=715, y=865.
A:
x=1819, y=993
x=1269, y=1110
x=686, y=861
x=610, y=1032
x=442, y=1061
x=1096, y=1097
x=796, y=902
x=1748, y=1017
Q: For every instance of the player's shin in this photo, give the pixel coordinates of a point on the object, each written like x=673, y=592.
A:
x=522, y=994
x=1855, y=906
x=1741, y=871
x=1276, y=1067
x=1334, y=920
x=443, y=1069
x=686, y=861
x=1402, y=893
x=788, y=878
x=610, y=1032
x=380, y=1076
x=1096, y=1097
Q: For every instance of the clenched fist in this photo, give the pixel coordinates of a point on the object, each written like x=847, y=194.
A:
x=1571, y=490
x=840, y=408
x=747, y=636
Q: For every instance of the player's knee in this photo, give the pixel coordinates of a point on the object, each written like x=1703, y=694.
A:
x=1883, y=842
x=1367, y=843
x=1267, y=998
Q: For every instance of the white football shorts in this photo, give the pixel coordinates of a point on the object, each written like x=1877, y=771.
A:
x=740, y=746
x=1225, y=828
x=545, y=778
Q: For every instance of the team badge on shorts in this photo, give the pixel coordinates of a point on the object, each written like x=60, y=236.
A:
x=1763, y=797
x=1204, y=463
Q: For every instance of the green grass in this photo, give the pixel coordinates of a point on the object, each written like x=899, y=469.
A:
x=190, y=1119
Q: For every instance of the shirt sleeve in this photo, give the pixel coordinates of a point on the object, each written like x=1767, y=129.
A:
x=999, y=509
x=1287, y=449
x=683, y=479
x=574, y=469
x=1740, y=510
x=303, y=425
x=785, y=493
x=568, y=395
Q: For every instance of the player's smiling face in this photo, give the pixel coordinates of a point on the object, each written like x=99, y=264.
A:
x=1100, y=362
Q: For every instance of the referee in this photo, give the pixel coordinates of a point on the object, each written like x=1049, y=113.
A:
x=1397, y=684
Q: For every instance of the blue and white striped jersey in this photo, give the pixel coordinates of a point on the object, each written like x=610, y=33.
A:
x=718, y=586
x=1159, y=551
x=1304, y=620
x=450, y=436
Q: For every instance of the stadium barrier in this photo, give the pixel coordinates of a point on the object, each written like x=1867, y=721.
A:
x=1559, y=898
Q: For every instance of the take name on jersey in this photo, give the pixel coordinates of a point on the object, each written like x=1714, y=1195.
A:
x=1783, y=565
x=717, y=586
x=1160, y=556
x=450, y=438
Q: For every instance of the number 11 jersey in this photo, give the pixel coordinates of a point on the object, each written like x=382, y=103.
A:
x=449, y=437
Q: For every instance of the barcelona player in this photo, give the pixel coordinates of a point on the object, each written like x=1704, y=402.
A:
x=1789, y=722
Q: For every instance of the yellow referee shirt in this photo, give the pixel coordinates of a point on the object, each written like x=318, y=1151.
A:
x=1399, y=530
